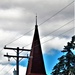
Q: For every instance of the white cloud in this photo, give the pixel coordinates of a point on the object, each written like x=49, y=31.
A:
x=19, y=14
x=5, y=35
x=56, y=43
x=53, y=42
x=8, y=70
x=22, y=70
x=25, y=40
x=12, y=13
x=17, y=18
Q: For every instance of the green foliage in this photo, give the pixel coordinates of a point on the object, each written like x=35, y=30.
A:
x=66, y=64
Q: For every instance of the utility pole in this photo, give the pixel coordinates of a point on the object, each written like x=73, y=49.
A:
x=16, y=56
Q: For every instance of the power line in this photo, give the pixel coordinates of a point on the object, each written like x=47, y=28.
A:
x=74, y=17
x=3, y=68
x=20, y=36
x=9, y=70
x=16, y=56
x=1, y=50
x=42, y=22
x=53, y=37
x=5, y=65
x=59, y=28
x=57, y=13
x=45, y=42
x=58, y=35
x=53, y=31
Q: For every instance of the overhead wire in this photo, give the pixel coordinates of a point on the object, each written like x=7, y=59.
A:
x=58, y=28
x=9, y=70
x=74, y=18
x=42, y=43
x=58, y=35
x=57, y=13
x=20, y=37
x=3, y=68
x=53, y=31
x=54, y=37
x=1, y=50
x=41, y=23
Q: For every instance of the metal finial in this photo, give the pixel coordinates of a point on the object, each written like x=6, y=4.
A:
x=36, y=19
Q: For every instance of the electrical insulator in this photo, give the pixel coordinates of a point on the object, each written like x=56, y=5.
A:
x=4, y=46
x=22, y=47
x=8, y=58
x=27, y=55
x=7, y=54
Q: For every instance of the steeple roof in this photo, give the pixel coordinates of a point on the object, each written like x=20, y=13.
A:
x=36, y=63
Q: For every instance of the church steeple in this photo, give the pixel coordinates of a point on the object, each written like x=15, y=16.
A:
x=36, y=63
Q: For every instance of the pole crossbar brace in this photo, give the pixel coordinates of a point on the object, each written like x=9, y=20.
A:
x=16, y=56
x=16, y=49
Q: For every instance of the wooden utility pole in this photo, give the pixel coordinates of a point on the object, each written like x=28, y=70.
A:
x=16, y=56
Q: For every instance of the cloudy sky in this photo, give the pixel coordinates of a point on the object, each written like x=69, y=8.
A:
x=17, y=23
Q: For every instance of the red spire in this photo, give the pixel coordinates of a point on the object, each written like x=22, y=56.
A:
x=36, y=64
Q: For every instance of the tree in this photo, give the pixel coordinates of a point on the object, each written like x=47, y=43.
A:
x=66, y=64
